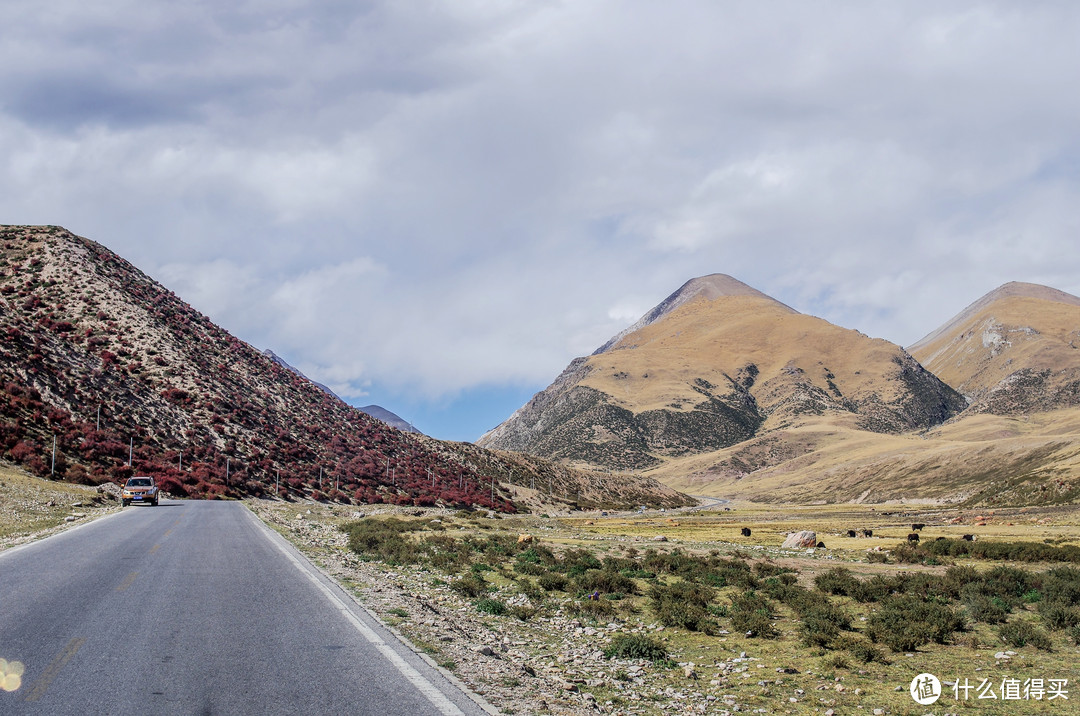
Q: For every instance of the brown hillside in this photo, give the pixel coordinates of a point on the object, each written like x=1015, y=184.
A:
x=1015, y=350
x=84, y=334
x=714, y=365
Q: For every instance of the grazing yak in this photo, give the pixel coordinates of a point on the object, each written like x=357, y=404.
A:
x=851, y=533
x=917, y=527
x=913, y=537
x=821, y=545
x=745, y=531
x=968, y=538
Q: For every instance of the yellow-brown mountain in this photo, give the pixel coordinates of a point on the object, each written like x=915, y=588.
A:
x=716, y=364
x=1015, y=350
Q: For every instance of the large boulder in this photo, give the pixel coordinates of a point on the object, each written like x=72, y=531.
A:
x=797, y=540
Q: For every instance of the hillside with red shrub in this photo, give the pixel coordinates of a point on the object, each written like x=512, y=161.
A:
x=111, y=367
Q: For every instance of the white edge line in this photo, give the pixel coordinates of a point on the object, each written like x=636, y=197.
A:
x=437, y=698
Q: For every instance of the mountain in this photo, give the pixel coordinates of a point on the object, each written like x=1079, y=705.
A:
x=716, y=364
x=380, y=413
x=1014, y=351
x=115, y=368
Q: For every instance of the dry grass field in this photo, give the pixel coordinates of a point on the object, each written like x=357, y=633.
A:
x=31, y=508
x=538, y=606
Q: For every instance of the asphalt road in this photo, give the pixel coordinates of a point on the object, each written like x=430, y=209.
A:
x=197, y=608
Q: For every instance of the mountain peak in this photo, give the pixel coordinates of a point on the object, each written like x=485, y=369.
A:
x=710, y=287
x=1012, y=289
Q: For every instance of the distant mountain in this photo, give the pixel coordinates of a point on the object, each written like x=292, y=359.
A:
x=1015, y=350
x=112, y=366
x=380, y=413
x=714, y=365
x=376, y=411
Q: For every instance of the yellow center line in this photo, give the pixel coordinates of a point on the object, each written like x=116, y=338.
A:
x=54, y=668
x=127, y=581
x=155, y=548
x=167, y=533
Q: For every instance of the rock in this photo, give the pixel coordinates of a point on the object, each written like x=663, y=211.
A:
x=879, y=712
x=802, y=539
x=69, y=518
x=659, y=538
x=485, y=650
x=689, y=672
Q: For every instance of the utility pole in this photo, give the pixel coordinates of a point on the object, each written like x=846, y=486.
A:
x=98, y=427
x=320, y=478
x=131, y=450
x=52, y=473
x=277, y=483
x=228, y=464
x=181, y=467
x=492, y=489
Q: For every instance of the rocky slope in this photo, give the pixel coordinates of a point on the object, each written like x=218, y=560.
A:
x=118, y=370
x=712, y=366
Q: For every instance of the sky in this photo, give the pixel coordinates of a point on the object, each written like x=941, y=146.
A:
x=435, y=206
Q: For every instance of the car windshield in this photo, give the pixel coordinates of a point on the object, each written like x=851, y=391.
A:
x=139, y=482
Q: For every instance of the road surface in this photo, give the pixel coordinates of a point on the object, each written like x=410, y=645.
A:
x=196, y=608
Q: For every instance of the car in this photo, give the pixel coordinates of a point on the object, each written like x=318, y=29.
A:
x=140, y=489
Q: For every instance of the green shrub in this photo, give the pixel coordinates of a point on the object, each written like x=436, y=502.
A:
x=523, y=612
x=904, y=623
x=605, y=581
x=1023, y=633
x=683, y=604
x=471, y=586
x=981, y=608
x=635, y=646
x=1074, y=633
x=751, y=613
x=838, y=580
x=860, y=648
x=593, y=608
x=576, y=562
x=554, y=582
x=492, y=606
x=1057, y=615
x=384, y=540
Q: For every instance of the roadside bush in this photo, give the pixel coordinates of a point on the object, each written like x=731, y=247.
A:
x=1074, y=633
x=635, y=646
x=1023, y=633
x=384, y=540
x=471, y=586
x=683, y=604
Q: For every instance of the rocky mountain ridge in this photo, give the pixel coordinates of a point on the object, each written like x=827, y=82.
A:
x=712, y=366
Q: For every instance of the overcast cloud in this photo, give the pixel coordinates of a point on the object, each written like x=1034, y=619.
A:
x=436, y=205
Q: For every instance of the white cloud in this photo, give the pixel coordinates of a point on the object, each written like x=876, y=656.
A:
x=445, y=196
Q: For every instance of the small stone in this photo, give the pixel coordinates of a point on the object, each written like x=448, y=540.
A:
x=485, y=650
x=879, y=712
x=689, y=672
